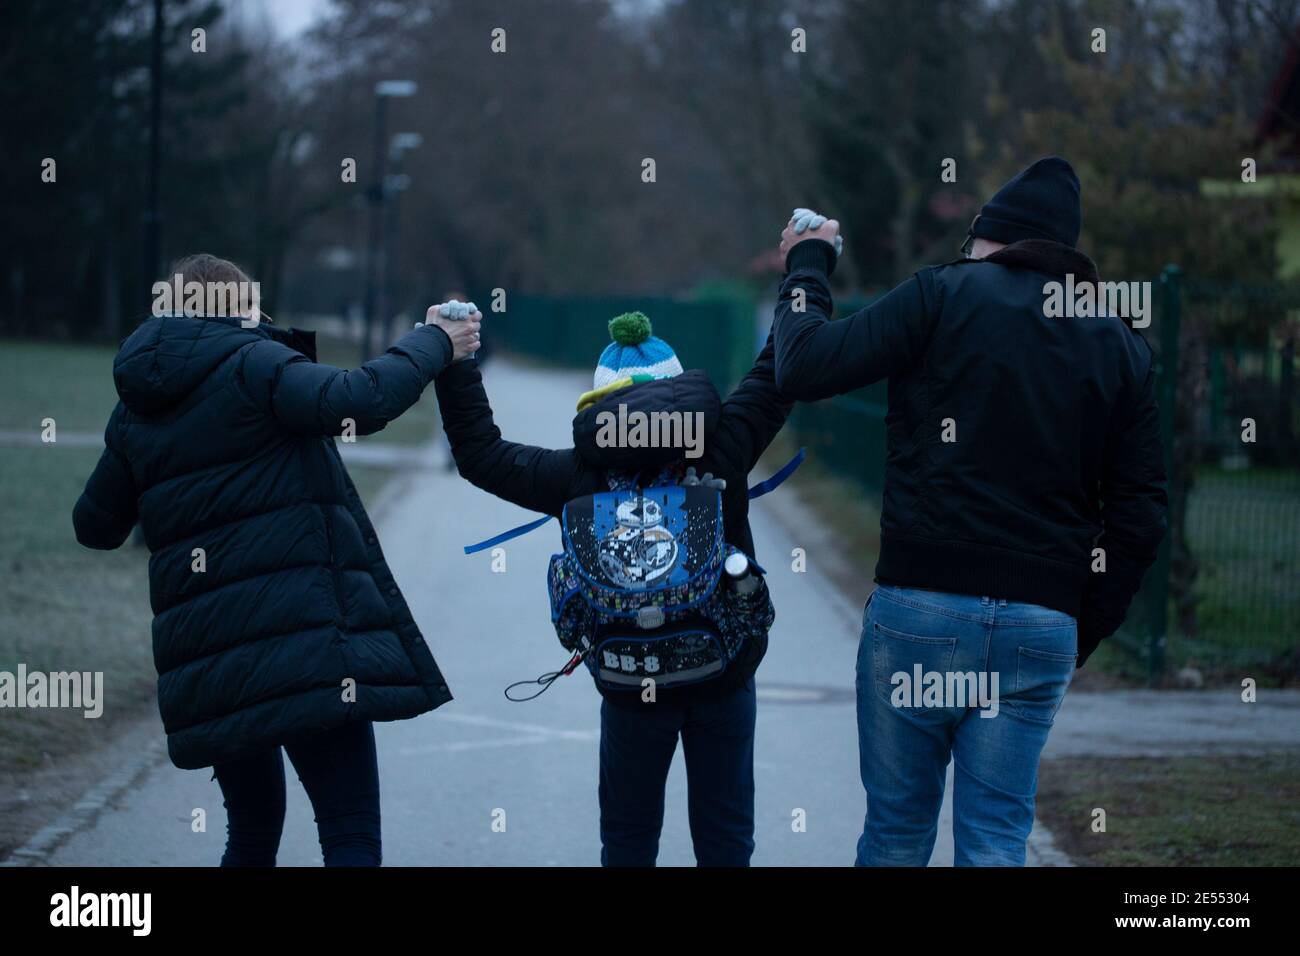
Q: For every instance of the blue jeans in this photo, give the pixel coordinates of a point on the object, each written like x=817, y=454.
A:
x=339, y=771
x=637, y=741
x=1022, y=655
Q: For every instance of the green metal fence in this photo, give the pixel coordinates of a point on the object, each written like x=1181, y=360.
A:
x=1229, y=580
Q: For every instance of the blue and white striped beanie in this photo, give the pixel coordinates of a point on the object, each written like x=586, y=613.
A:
x=634, y=351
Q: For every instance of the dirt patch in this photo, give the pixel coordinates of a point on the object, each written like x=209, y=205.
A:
x=1175, y=811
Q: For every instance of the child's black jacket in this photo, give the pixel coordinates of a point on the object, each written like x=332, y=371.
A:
x=736, y=432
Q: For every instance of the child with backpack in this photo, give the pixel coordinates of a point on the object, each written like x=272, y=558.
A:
x=656, y=591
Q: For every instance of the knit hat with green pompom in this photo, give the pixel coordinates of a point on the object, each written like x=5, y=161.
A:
x=634, y=351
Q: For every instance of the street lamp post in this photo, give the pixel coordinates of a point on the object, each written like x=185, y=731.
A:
x=395, y=184
x=153, y=211
x=375, y=265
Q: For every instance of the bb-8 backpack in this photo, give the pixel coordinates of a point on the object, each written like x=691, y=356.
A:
x=639, y=590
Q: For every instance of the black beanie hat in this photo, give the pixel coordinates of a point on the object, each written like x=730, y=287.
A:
x=1040, y=202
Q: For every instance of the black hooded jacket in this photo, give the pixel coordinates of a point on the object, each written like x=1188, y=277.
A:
x=1057, y=445
x=736, y=432
x=275, y=614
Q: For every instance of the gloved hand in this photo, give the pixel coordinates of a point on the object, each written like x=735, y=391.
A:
x=460, y=320
x=692, y=480
x=457, y=310
x=805, y=220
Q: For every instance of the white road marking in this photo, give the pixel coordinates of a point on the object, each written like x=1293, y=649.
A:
x=482, y=721
x=461, y=746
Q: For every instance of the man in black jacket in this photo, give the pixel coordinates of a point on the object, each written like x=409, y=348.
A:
x=715, y=718
x=1024, y=499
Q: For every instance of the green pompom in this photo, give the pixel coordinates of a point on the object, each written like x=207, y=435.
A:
x=630, y=328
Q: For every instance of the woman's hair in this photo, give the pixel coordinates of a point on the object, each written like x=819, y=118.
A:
x=205, y=268
x=210, y=270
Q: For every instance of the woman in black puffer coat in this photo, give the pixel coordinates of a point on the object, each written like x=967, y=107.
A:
x=276, y=618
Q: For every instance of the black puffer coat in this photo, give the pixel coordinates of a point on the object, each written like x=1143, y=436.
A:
x=221, y=441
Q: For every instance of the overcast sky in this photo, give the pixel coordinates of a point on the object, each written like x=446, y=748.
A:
x=289, y=16
x=293, y=16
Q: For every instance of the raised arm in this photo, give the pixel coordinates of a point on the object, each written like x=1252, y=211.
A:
x=316, y=399
x=539, y=479
x=754, y=412
x=817, y=358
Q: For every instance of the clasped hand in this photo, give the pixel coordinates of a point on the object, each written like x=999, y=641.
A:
x=460, y=320
x=806, y=224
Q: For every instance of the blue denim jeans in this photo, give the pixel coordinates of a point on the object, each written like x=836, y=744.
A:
x=637, y=742
x=1021, y=655
x=340, y=773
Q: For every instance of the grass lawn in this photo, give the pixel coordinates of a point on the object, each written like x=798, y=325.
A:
x=73, y=384
x=66, y=607
x=1175, y=811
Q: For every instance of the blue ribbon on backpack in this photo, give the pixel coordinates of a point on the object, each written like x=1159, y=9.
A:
x=771, y=484
x=757, y=491
x=523, y=529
